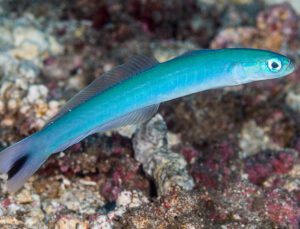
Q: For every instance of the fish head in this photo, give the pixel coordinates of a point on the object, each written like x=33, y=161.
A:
x=256, y=65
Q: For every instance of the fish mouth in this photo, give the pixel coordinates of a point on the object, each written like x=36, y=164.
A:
x=291, y=67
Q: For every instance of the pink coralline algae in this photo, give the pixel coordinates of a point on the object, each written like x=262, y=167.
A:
x=114, y=171
x=275, y=27
x=280, y=20
x=264, y=164
x=282, y=209
x=239, y=205
x=211, y=168
x=190, y=154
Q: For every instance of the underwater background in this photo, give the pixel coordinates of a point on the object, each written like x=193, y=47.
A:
x=225, y=158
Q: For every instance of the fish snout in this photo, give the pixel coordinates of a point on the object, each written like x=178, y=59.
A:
x=291, y=67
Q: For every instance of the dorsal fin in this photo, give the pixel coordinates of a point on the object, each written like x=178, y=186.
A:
x=118, y=74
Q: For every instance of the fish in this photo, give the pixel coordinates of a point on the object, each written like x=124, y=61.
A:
x=131, y=93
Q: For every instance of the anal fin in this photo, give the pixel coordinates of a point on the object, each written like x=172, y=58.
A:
x=134, y=117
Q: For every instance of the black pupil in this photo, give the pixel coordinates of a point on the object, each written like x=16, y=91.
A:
x=275, y=65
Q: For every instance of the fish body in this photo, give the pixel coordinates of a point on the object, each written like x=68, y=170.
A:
x=136, y=90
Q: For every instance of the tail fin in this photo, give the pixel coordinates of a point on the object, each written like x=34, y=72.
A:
x=21, y=160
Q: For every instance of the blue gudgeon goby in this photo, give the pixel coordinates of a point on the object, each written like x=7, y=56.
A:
x=131, y=94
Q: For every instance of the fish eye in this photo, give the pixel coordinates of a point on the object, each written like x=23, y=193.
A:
x=274, y=65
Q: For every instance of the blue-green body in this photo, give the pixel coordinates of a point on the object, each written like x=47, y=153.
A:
x=187, y=74
x=161, y=83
